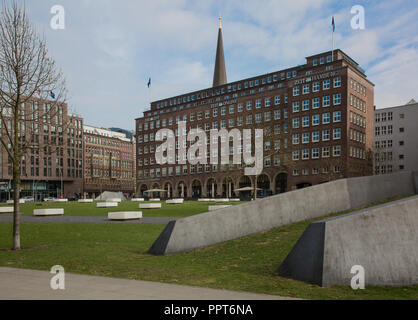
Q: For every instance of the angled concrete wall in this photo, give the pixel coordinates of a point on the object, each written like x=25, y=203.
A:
x=241, y=220
x=382, y=239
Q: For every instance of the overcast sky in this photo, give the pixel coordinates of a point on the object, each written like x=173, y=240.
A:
x=109, y=48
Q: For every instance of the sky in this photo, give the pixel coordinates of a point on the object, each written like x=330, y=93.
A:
x=109, y=49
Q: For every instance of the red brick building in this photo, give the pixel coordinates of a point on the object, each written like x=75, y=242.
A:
x=109, y=162
x=54, y=165
x=317, y=119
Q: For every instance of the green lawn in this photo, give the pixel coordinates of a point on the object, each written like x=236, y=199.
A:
x=188, y=208
x=120, y=250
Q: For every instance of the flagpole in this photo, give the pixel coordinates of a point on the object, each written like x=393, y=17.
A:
x=333, y=28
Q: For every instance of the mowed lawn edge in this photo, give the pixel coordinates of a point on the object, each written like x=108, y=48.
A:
x=186, y=209
x=246, y=264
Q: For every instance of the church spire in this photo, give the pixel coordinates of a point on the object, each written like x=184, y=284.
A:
x=219, y=75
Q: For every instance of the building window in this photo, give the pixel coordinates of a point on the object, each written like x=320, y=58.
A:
x=337, y=99
x=295, y=123
x=305, y=88
x=336, y=151
x=325, y=85
x=305, y=105
x=276, y=114
x=295, y=155
x=326, y=118
x=295, y=91
x=296, y=106
x=315, y=120
x=325, y=135
x=337, y=82
x=337, y=134
x=337, y=116
x=315, y=153
x=326, y=101
x=315, y=103
x=315, y=86
x=315, y=136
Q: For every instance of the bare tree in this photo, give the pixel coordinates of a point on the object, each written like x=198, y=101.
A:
x=27, y=73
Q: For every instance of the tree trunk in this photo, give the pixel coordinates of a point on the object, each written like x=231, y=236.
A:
x=16, y=181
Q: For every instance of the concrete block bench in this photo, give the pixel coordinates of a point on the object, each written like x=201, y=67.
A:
x=107, y=204
x=85, y=200
x=127, y=215
x=204, y=200
x=150, y=206
x=114, y=200
x=6, y=209
x=48, y=212
x=138, y=200
x=12, y=201
x=175, y=201
x=155, y=199
x=234, y=200
x=213, y=208
x=61, y=200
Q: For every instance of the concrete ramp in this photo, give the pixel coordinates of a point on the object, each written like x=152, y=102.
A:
x=257, y=216
x=382, y=239
x=108, y=195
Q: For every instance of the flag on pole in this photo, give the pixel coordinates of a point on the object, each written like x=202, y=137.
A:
x=52, y=95
x=333, y=24
x=149, y=83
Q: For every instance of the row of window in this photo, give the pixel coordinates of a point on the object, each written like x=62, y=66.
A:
x=357, y=103
x=357, y=153
x=356, y=86
x=316, y=86
x=383, y=130
x=315, y=171
x=358, y=136
x=383, y=117
x=357, y=119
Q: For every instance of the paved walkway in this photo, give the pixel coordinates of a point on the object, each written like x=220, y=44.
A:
x=32, y=284
x=85, y=219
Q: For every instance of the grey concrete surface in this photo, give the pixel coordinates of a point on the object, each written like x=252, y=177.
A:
x=85, y=219
x=244, y=219
x=382, y=239
x=20, y=284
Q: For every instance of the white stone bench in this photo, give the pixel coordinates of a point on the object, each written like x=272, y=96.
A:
x=114, y=200
x=61, y=200
x=6, y=209
x=107, y=204
x=204, y=200
x=155, y=199
x=234, y=200
x=150, y=206
x=127, y=215
x=85, y=200
x=175, y=201
x=48, y=212
x=138, y=200
x=213, y=208
x=12, y=201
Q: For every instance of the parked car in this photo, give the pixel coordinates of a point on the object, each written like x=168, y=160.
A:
x=29, y=199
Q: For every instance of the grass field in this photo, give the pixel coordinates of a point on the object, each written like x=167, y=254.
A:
x=188, y=208
x=246, y=264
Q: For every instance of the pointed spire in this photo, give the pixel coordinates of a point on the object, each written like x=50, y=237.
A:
x=219, y=75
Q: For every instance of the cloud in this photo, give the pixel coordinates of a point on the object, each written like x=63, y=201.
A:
x=109, y=48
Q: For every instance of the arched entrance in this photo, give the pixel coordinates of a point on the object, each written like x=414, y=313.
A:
x=281, y=183
x=263, y=183
x=211, y=188
x=155, y=194
x=196, y=189
x=182, y=189
x=142, y=190
x=168, y=187
x=228, y=187
x=245, y=182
